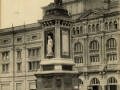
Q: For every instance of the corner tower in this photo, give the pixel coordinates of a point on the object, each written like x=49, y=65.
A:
x=57, y=67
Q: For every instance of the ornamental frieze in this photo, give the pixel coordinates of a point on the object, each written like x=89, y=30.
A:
x=5, y=41
x=33, y=37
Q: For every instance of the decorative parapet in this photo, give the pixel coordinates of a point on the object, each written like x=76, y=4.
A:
x=97, y=68
x=26, y=27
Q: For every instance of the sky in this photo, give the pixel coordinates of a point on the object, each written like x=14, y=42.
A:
x=18, y=12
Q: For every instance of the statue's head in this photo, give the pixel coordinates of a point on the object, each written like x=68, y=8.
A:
x=49, y=37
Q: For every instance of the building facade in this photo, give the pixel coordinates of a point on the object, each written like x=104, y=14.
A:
x=95, y=48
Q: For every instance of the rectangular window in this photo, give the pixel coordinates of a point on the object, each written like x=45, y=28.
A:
x=5, y=68
x=94, y=60
x=19, y=67
x=33, y=65
x=5, y=55
x=18, y=54
x=34, y=52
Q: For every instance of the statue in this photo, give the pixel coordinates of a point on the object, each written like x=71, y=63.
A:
x=58, y=2
x=49, y=46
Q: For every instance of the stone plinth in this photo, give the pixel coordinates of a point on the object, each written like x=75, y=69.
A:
x=57, y=81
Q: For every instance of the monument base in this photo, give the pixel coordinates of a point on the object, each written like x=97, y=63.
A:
x=62, y=81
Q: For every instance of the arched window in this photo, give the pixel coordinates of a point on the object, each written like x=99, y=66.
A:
x=110, y=25
x=94, y=81
x=94, y=45
x=93, y=28
x=78, y=47
x=89, y=28
x=81, y=30
x=112, y=80
x=77, y=30
x=74, y=31
x=111, y=43
x=106, y=26
x=115, y=25
x=97, y=27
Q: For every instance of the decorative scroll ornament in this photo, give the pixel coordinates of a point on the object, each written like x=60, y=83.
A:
x=58, y=83
x=4, y=42
x=33, y=37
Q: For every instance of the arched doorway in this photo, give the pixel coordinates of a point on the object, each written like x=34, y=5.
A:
x=112, y=83
x=95, y=84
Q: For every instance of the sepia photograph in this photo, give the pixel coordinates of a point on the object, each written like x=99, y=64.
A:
x=60, y=45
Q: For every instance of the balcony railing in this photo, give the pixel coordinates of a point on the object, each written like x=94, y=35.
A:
x=97, y=68
x=78, y=52
x=94, y=51
x=111, y=49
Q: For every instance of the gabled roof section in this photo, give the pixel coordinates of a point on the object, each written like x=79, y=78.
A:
x=90, y=14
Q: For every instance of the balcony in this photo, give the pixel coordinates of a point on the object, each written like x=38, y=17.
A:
x=111, y=49
x=97, y=68
x=34, y=58
x=94, y=51
x=6, y=61
x=78, y=52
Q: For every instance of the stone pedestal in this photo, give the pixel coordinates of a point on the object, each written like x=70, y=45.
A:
x=57, y=81
x=57, y=67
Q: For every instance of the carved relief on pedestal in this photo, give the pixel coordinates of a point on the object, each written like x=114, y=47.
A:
x=68, y=82
x=47, y=82
x=58, y=83
x=75, y=81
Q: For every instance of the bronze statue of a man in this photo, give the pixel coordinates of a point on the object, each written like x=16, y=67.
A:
x=58, y=2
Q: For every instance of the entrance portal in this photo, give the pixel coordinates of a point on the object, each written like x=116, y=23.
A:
x=95, y=87
x=112, y=83
x=113, y=87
